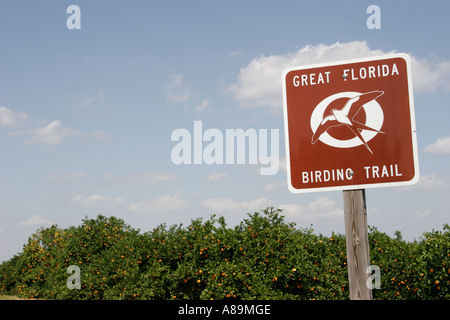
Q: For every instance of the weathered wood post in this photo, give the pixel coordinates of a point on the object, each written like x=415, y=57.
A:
x=357, y=243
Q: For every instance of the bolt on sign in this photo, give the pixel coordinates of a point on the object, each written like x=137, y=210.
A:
x=350, y=124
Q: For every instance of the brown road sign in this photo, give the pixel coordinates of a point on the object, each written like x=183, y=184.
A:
x=350, y=125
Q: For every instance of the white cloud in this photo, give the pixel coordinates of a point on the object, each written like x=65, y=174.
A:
x=235, y=53
x=177, y=91
x=47, y=133
x=54, y=133
x=292, y=211
x=64, y=176
x=427, y=183
x=229, y=205
x=98, y=135
x=217, y=176
x=259, y=83
x=275, y=185
x=94, y=200
x=321, y=205
x=441, y=146
x=87, y=102
x=146, y=177
x=51, y=134
x=36, y=220
x=11, y=119
x=203, y=106
x=422, y=214
x=371, y=211
x=430, y=182
x=283, y=164
x=322, y=208
x=159, y=205
x=430, y=75
x=195, y=195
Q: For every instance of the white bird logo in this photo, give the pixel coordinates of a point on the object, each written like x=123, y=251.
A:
x=346, y=115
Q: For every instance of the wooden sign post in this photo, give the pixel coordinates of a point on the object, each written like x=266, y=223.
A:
x=357, y=243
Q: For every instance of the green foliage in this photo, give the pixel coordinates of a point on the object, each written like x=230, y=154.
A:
x=261, y=258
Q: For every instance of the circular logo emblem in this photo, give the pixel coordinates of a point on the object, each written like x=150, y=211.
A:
x=357, y=113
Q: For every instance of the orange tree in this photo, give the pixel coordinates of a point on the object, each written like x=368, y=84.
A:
x=435, y=267
x=92, y=247
x=37, y=261
x=417, y=270
x=261, y=258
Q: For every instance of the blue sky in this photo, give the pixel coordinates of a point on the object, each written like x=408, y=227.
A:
x=86, y=116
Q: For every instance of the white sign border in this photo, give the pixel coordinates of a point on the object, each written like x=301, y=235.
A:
x=416, y=177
